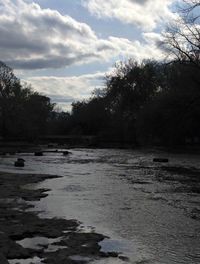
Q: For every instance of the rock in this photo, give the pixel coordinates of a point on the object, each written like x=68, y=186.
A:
x=20, y=159
x=65, y=153
x=160, y=160
x=124, y=258
x=19, y=163
x=10, y=249
x=39, y=153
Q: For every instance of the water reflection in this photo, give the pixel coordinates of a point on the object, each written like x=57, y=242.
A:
x=125, y=196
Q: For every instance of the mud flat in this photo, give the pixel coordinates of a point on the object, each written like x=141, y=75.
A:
x=26, y=238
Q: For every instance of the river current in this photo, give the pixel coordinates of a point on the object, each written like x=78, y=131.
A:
x=146, y=209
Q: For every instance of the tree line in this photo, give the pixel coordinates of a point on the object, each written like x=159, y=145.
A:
x=148, y=102
x=141, y=103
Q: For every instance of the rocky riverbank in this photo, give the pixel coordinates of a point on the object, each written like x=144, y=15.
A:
x=59, y=240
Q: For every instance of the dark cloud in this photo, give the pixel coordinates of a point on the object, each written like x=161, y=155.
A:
x=50, y=61
x=40, y=63
x=14, y=39
x=35, y=38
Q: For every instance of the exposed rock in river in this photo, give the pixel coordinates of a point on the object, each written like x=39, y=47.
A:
x=16, y=224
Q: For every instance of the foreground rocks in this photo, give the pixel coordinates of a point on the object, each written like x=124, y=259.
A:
x=66, y=243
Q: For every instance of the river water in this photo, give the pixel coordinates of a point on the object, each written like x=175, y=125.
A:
x=147, y=211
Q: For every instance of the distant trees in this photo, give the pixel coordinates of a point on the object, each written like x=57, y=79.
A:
x=150, y=102
x=112, y=114
x=89, y=117
x=59, y=123
x=23, y=113
x=141, y=103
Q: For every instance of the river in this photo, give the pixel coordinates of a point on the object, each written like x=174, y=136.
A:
x=147, y=209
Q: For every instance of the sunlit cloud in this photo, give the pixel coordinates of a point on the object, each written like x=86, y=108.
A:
x=143, y=13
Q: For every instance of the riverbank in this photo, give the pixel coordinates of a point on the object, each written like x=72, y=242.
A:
x=13, y=147
x=58, y=240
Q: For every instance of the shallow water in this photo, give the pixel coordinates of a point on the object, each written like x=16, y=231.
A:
x=124, y=195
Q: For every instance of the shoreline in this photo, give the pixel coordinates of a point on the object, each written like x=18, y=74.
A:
x=13, y=147
x=65, y=243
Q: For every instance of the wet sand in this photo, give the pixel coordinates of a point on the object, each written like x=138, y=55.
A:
x=64, y=241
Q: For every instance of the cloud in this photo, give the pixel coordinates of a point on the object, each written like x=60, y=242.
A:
x=143, y=13
x=148, y=49
x=65, y=90
x=32, y=37
x=140, y=2
x=35, y=38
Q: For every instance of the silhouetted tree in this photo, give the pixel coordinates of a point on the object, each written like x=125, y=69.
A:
x=23, y=113
x=89, y=117
x=9, y=92
x=128, y=89
x=174, y=114
x=38, y=108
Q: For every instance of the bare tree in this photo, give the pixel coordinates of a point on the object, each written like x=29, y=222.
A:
x=182, y=38
x=189, y=7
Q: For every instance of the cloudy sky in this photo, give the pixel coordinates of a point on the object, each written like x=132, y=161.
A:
x=64, y=47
